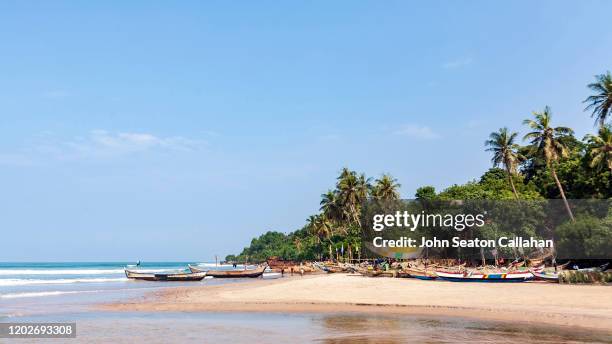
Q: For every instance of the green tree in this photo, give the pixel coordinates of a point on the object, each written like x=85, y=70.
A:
x=352, y=191
x=427, y=192
x=386, y=188
x=505, y=152
x=601, y=101
x=331, y=206
x=587, y=237
x=547, y=141
x=601, y=148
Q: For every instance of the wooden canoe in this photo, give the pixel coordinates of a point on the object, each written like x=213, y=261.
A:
x=546, y=276
x=486, y=277
x=140, y=275
x=182, y=276
x=420, y=274
x=333, y=269
x=251, y=273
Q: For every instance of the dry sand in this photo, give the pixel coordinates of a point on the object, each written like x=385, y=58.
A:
x=586, y=306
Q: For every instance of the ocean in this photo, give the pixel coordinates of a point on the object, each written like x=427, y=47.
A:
x=33, y=288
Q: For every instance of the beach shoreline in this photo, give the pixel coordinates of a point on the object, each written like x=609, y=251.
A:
x=584, y=307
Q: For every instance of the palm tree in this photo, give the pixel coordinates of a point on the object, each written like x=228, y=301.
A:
x=386, y=188
x=601, y=151
x=320, y=228
x=545, y=140
x=350, y=191
x=601, y=101
x=505, y=152
x=330, y=205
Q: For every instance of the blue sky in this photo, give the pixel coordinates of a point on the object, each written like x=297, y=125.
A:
x=156, y=131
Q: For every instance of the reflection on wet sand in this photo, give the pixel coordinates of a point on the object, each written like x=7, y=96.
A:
x=402, y=329
x=249, y=328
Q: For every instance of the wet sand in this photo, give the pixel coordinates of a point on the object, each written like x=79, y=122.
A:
x=585, y=307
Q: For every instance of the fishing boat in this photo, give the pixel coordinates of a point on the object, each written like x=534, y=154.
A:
x=333, y=269
x=516, y=276
x=250, y=273
x=421, y=274
x=272, y=275
x=181, y=277
x=546, y=276
x=131, y=274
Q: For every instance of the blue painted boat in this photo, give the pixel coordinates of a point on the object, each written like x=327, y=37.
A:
x=424, y=278
x=501, y=277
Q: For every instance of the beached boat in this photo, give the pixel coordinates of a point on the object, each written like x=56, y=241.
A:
x=333, y=269
x=250, y=273
x=272, y=275
x=140, y=275
x=546, y=276
x=421, y=274
x=485, y=277
x=181, y=276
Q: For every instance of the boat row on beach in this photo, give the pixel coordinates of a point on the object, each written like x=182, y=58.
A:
x=459, y=273
x=196, y=273
x=515, y=272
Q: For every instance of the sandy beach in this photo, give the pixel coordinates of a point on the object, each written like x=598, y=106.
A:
x=586, y=307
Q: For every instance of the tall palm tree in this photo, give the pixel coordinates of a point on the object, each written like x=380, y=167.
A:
x=601, y=148
x=330, y=205
x=545, y=140
x=601, y=101
x=505, y=152
x=364, y=187
x=320, y=228
x=386, y=188
x=350, y=190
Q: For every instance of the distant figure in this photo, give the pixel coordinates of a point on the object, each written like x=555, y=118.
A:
x=282, y=272
x=138, y=263
x=234, y=265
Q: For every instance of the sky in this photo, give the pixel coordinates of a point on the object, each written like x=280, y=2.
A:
x=152, y=130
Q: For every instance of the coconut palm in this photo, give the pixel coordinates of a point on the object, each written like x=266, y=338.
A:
x=601, y=101
x=546, y=141
x=364, y=187
x=386, y=188
x=319, y=226
x=330, y=205
x=601, y=148
x=505, y=152
x=350, y=192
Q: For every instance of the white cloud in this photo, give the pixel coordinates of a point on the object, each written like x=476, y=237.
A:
x=416, y=132
x=106, y=144
x=96, y=145
x=458, y=63
x=128, y=142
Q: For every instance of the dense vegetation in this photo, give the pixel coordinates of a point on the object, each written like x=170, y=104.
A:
x=553, y=164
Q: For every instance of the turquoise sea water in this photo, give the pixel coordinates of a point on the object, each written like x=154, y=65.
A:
x=32, y=288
